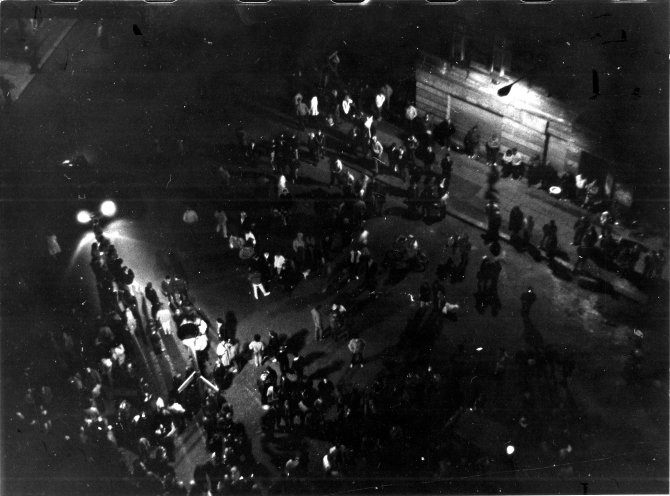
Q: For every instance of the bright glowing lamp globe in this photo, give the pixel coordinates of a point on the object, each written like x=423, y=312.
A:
x=83, y=217
x=510, y=449
x=108, y=208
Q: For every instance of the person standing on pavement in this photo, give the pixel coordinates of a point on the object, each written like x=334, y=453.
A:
x=221, y=329
x=257, y=347
x=314, y=110
x=190, y=218
x=471, y=142
x=527, y=299
x=168, y=290
x=446, y=167
x=380, y=98
x=515, y=221
x=492, y=149
x=549, y=237
x=347, y=106
x=301, y=112
x=356, y=347
x=282, y=360
x=226, y=353
x=272, y=347
x=581, y=226
x=464, y=247
x=152, y=297
x=336, y=172
x=483, y=275
x=316, y=319
x=528, y=226
x=507, y=163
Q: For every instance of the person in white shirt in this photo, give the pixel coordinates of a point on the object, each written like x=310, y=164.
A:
x=250, y=238
x=257, y=347
x=380, y=98
x=314, y=107
x=347, y=105
x=226, y=352
x=164, y=317
x=279, y=263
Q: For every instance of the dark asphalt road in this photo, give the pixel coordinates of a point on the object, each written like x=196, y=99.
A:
x=113, y=103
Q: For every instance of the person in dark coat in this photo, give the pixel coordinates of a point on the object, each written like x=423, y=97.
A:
x=446, y=166
x=527, y=299
x=515, y=220
x=483, y=275
x=152, y=297
x=581, y=227
x=492, y=149
x=443, y=132
x=282, y=360
x=471, y=142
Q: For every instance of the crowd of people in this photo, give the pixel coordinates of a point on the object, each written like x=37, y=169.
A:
x=372, y=431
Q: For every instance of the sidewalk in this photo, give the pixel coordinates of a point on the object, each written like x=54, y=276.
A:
x=46, y=39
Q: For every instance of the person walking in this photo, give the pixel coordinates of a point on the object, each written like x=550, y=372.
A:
x=257, y=283
x=316, y=319
x=257, y=347
x=164, y=316
x=527, y=299
x=356, y=347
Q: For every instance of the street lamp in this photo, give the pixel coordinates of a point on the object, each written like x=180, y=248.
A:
x=504, y=91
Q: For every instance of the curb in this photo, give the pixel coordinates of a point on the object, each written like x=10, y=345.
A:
x=20, y=88
x=616, y=283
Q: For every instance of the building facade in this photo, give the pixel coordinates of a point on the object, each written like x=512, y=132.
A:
x=466, y=92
